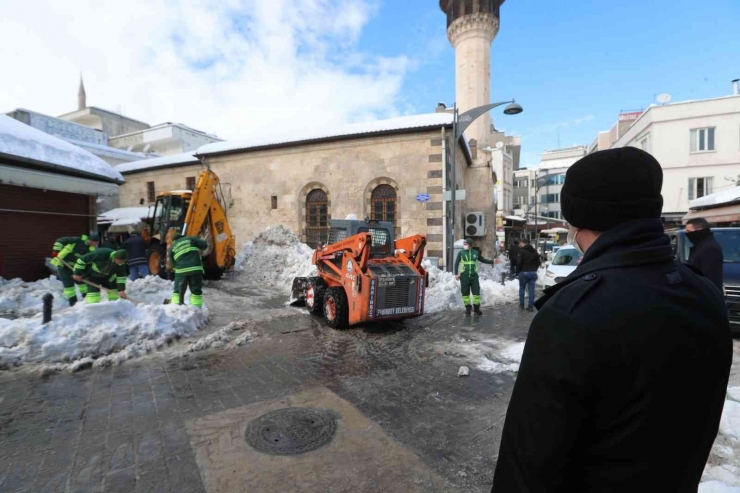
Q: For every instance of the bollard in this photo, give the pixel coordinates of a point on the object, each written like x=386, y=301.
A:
x=48, y=299
x=503, y=279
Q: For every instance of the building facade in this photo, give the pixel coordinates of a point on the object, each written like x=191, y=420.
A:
x=697, y=144
x=395, y=174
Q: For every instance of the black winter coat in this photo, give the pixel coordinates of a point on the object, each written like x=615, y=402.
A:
x=623, y=377
x=135, y=246
x=527, y=260
x=706, y=255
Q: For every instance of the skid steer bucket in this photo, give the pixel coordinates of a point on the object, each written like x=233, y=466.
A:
x=298, y=291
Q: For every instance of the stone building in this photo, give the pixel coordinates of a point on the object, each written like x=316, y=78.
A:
x=389, y=170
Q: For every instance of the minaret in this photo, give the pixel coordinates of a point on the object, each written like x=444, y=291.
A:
x=81, y=96
x=471, y=27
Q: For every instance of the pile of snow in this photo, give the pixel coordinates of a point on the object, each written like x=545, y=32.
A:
x=100, y=334
x=152, y=290
x=489, y=355
x=722, y=472
x=274, y=259
x=224, y=337
x=443, y=292
x=23, y=299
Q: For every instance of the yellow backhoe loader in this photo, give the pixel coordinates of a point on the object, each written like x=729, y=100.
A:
x=200, y=212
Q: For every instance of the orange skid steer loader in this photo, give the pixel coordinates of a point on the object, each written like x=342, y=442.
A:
x=364, y=275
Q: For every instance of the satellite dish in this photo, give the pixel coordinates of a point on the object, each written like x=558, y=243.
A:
x=499, y=145
x=664, y=98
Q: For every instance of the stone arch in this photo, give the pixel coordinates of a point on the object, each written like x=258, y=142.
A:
x=368, y=197
x=302, y=212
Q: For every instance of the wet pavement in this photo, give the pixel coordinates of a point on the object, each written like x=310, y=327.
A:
x=137, y=427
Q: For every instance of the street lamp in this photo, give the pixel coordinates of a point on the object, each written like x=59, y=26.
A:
x=460, y=123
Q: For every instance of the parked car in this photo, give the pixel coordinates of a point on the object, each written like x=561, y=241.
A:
x=729, y=239
x=563, y=263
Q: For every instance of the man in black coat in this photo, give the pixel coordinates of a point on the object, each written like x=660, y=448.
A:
x=527, y=264
x=138, y=265
x=706, y=254
x=513, y=255
x=626, y=364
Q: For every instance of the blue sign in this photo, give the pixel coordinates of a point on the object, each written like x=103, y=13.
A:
x=422, y=197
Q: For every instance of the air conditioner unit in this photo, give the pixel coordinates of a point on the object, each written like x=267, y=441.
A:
x=475, y=224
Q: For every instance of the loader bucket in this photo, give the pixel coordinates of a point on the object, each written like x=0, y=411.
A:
x=298, y=292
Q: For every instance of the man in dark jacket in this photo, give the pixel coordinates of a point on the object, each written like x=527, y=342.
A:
x=513, y=255
x=527, y=263
x=625, y=368
x=706, y=254
x=138, y=265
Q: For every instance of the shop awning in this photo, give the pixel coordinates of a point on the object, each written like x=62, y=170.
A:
x=718, y=215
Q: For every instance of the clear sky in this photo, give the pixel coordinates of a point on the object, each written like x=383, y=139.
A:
x=242, y=67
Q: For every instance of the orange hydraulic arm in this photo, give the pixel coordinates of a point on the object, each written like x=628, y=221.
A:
x=357, y=247
x=207, y=213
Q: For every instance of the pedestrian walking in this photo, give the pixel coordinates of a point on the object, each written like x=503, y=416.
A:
x=706, y=254
x=138, y=265
x=469, y=281
x=527, y=264
x=513, y=255
x=186, y=261
x=625, y=368
x=67, y=250
x=105, y=268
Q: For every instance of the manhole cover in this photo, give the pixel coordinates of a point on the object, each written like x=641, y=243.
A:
x=291, y=431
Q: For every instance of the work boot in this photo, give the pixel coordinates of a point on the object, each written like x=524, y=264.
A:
x=521, y=307
x=72, y=300
x=467, y=310
x=530, y=309
x=477, y=311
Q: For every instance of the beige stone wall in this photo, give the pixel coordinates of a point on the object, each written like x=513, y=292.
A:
x=346, y=170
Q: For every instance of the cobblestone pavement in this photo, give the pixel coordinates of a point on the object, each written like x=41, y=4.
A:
x=122, y=429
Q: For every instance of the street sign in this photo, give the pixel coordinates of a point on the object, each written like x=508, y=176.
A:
x=459, y=195
x=422, y=197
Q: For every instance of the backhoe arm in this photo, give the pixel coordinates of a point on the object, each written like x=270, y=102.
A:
x=205, y=208
x=413, y=247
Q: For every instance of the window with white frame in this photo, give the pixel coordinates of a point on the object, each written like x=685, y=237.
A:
x=699, y=187
x=702, y=139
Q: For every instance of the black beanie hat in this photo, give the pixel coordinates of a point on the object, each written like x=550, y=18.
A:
x=608, y=188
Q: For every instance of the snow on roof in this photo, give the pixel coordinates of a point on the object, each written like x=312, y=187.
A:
x=123, y=214
x=158, y=162
x=716, y=199
x=364, y=128
x=20, y=140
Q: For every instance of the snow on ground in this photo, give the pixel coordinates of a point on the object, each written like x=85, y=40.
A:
x=722, y=473
x=443, y=292
x=274, y=259
x=106, y=333
x=489, y=355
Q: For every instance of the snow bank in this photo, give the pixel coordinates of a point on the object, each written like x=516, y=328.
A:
x=106, y=333
x=717, y=487
x=23, y=299
x=274, y=259
x=443, y=292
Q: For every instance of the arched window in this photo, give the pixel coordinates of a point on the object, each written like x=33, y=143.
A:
x=317, y=206
x=383, y=204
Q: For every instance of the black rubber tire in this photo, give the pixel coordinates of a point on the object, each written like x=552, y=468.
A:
x=341, y=312
x=319, y=290
x=159, y=262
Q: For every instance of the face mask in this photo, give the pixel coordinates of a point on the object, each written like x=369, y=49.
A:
x=697, y=236
x=466, y=247
x=572, y=234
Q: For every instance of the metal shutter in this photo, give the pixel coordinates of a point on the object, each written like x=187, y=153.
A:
x=26, y=238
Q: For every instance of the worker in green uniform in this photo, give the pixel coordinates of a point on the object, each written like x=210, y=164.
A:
x=106, y=268
x=468, y=278
x=68, y=250
x=186, y=261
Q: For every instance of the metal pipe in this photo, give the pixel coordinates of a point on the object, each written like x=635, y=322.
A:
x=735, y=89
x=453, y=188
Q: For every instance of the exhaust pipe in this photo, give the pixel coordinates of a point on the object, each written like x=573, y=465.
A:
x=735, y=89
